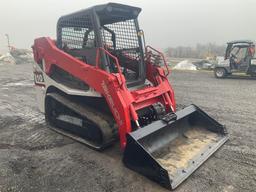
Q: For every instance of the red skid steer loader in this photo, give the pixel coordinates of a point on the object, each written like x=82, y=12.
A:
x=99, y=82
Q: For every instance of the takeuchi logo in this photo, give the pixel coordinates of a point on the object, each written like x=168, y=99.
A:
x=111, y=103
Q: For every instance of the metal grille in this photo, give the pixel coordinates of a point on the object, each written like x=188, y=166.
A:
x=126, y=37
x=77, y=33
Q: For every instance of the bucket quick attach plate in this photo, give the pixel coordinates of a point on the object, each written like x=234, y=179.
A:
x=168, y=152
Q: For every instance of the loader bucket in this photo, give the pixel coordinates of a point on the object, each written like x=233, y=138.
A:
x=168, y=152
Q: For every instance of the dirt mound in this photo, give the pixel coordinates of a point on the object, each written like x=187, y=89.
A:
x=7, y=59
x=185, y=65
x=17, y=56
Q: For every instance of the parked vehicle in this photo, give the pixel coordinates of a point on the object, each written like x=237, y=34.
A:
x=240, y=57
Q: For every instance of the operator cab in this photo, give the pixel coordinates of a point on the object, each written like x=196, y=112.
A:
x=111, y=26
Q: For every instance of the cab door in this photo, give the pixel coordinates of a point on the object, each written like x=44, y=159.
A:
x=243, y=58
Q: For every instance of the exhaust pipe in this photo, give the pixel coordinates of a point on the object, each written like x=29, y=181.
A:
x=168, y=152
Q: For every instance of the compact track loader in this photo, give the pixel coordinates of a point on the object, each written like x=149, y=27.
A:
x=99, y=82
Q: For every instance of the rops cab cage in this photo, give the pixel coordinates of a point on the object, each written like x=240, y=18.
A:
x=113, y=27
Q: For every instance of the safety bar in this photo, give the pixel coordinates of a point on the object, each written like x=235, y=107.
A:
x=162, y=55
x=110, y=55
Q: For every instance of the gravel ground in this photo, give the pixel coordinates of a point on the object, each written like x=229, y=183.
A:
x=34, y=158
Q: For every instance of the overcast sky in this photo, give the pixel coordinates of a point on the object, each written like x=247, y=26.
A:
x=165, y=22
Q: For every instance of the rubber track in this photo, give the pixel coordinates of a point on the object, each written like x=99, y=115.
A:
x=104, y=122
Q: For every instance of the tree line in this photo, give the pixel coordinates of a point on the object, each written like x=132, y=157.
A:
x=201, y=51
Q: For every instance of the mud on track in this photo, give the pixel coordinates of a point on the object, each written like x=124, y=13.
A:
x=34, y=158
